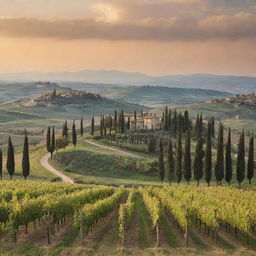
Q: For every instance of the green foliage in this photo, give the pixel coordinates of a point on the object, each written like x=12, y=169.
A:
x=10, y=163
x=240, y=167
x=250, y=166
x=198, y=162
x=161, y=160
x=178, y=164
x=171, y=162
x=208, y=155
x=74, y=135
x=25, y=158
x=62, y=142
x=228, y=159
x=219, y=165
x=187, y=159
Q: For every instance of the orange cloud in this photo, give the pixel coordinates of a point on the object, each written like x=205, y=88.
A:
x=238, y=26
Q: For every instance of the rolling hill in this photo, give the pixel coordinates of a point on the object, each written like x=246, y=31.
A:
x=158, y=95
x=233, y=84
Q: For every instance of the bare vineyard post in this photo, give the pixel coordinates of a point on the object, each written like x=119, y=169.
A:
x=157, y=235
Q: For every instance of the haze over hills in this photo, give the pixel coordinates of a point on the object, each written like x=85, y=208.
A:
x=234, y=84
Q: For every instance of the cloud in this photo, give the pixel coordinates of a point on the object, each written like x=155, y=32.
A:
x=238, y=26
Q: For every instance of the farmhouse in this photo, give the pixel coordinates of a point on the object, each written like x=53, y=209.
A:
x=147, y=122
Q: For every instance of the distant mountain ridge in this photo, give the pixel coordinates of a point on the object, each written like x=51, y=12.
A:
x=234, y=84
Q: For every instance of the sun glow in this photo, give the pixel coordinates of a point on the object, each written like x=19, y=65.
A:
x=108, y=12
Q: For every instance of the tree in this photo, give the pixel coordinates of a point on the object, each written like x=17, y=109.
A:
x=121, y=122
x=186, y=121
x=54, y=93
x=48, y=139
x=25, y=158
x=92, y=125
x=240, y=167
x=219, y=165
x=170, y=120
x=228, y=159
x=187, y=159
x=115, y=121
x=74, y=136
x=178, y=165
x=208, y=155
x=81, y=127
x=135, y=120
x=10, y=163
x=166, y=120
x=152, y=144
x=213, y=127
x=161, y=160
x=62, y=142
x=1, y=164
x=198, y=162
x=128, y=123
x=250, y=166
x=65, y=129
x=170, y=161
x=101, y=127
x=53, y=141
x=174, y=121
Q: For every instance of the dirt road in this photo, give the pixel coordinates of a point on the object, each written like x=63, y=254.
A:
x=119, y=151
x=44, y=162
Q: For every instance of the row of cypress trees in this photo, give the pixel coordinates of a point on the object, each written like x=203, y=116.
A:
x=10, y=161
x=179, y=163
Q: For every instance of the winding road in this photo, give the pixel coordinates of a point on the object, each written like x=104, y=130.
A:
x=45, y=163
x=119, y=151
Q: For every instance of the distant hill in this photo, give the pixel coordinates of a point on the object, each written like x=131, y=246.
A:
x=234, y=84
x=159, y=95
x=67, y=104
x=16, y=91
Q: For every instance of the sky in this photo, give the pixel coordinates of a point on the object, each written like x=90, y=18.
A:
x=156, y=37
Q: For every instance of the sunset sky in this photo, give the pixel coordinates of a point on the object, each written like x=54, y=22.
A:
x=155, y=37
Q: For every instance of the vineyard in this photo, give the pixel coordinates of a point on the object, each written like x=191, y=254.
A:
x=64, y=219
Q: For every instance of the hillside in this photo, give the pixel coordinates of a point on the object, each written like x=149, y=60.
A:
x=159, y=95
x=233, y=84
x=237, y=112
x=16, y=91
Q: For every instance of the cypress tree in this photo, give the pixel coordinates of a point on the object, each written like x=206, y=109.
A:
x=174, y=121
x=25, y=158
x=178, y=164
x=1, y=164
x=170, y=120
x=166, y=121
x=101, y=127
x=208, y=155
x=110, y=124
x=197, y=127
x=187, y=159
x=53, y=141
x=219, y=165
x=240, y=169
x=103, y=124
x=92, y=126
x=128, y=123
x=152, y=144
x=186, y=121
x=122, y=125
x=228, y=159
x=48, y=139
x=171, y=163
x=135, y=119
x=250, y=166
x=81, y=127
x=65, y=129
x=161, y=160
x=115, y=121
x=213, y=126
x=198, y=162
x=10, y=163
x=74, y=136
